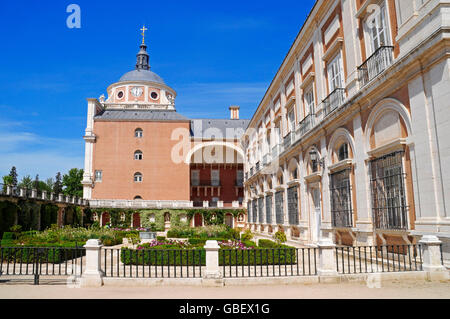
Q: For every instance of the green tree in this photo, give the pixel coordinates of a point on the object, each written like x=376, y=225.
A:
x=26, y=182
x=13, y=175
x=72, y=182
x=36, y=183
x=58, y=186
x=49, y=184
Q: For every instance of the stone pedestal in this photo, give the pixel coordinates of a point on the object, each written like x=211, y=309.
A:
x=93, y=275
x=327, y=270
x=431, y=254
x=166, y=226
x=212, y=275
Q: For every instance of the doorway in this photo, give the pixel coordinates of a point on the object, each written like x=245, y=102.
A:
x=198, y=220
x=229, y=220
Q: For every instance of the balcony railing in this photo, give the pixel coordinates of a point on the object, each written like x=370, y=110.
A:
x=306, y=124
x=375, y=64
x=258, y=166
x=287, y=141
x=252, y=171
x=266, y=159
x=275, y=151
x=334, y=100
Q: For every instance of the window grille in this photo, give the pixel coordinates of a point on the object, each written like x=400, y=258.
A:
x=261, y=210
x=341, y=199
x=293, y=205
x=279, y=213
x=389, y=206
x=269, y=209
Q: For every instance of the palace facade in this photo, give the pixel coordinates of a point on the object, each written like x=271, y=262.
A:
x=142, y=154
x=351, y=140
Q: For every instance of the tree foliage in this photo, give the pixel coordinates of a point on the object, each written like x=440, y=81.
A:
x=72, y=182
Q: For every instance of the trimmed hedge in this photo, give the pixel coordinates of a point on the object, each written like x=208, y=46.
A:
x=53, y=254
x=164, y=256
x=174, y=256
x=202, y=241
x=257, y=257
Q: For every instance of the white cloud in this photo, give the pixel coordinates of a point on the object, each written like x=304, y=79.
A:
x=35, y=154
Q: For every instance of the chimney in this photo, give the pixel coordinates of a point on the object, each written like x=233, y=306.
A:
x=234, y=111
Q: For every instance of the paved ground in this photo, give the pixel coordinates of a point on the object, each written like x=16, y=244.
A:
x=393, y=290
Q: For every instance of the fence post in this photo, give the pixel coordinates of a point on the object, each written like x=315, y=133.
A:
x=327, y=269
x=432, y=258
x=93, y=274
x=212, y=275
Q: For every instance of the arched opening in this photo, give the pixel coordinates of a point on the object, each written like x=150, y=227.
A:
x=138, y=156
x=139, y=133
x=138, y=178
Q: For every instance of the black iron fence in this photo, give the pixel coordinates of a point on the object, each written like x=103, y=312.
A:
x=37, y=262
x=271, y=262
x=153, y=263
x=376, y=259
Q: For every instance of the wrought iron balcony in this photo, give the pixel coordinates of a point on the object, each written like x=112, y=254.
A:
x=287, y=141
x=306, y=124
x=266, y=159
x=258, y=166
x=252, y=171
x=375, y=64
x=275, y=151
x=334, y=100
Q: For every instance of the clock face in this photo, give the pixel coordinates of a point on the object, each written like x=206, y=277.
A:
x=136, y=91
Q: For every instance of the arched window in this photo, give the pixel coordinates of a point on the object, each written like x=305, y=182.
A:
x=138, y=198
x=138, y=156
x=138, y=178
x=343, y=152
x=139, y=133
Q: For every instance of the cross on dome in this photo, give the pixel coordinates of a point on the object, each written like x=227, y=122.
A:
x=143, y=33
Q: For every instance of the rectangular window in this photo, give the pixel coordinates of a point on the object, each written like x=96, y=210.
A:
x=195, y=178
x=291, y=120
x=341, y=203
x=261, y=210
x=98, y=176
x=215, y=178
x=293, y=205
x=335, y=73
x=377, y=30
x=255, y=211
x=389, y=205
x=309, y=101
x=269, y=209
x=239, y=178
x=279, y=207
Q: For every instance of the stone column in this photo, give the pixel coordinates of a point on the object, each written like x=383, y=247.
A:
x=8, y=190
x=34, y=193
x=44, y=195
x=432, y=258
x=327, y=269
x=93, y=274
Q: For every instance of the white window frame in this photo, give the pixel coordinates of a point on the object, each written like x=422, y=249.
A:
x=310, y=100
x=291, y=119
x=382, y=19
x=139, y=133
x=215, y=181
x=335, y=72
x=138, y=156
x=138, y=178
x=98, y=176
x=195, y=178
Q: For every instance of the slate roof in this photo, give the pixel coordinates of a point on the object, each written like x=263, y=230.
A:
x=140, y=115
x=211, y=128
x=200, y=128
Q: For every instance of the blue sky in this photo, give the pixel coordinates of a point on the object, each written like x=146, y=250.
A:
x=213, y=53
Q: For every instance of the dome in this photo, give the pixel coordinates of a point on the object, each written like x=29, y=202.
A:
x=142, y=75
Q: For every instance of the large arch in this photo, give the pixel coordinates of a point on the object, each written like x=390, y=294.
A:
x=203, y=145
x=382, y=107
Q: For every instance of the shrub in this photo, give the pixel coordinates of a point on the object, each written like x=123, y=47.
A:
x=280, y=237
x=247, y=235
x=257, y=257
x=160, y=238
x=249, y=243
x=265, y=243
